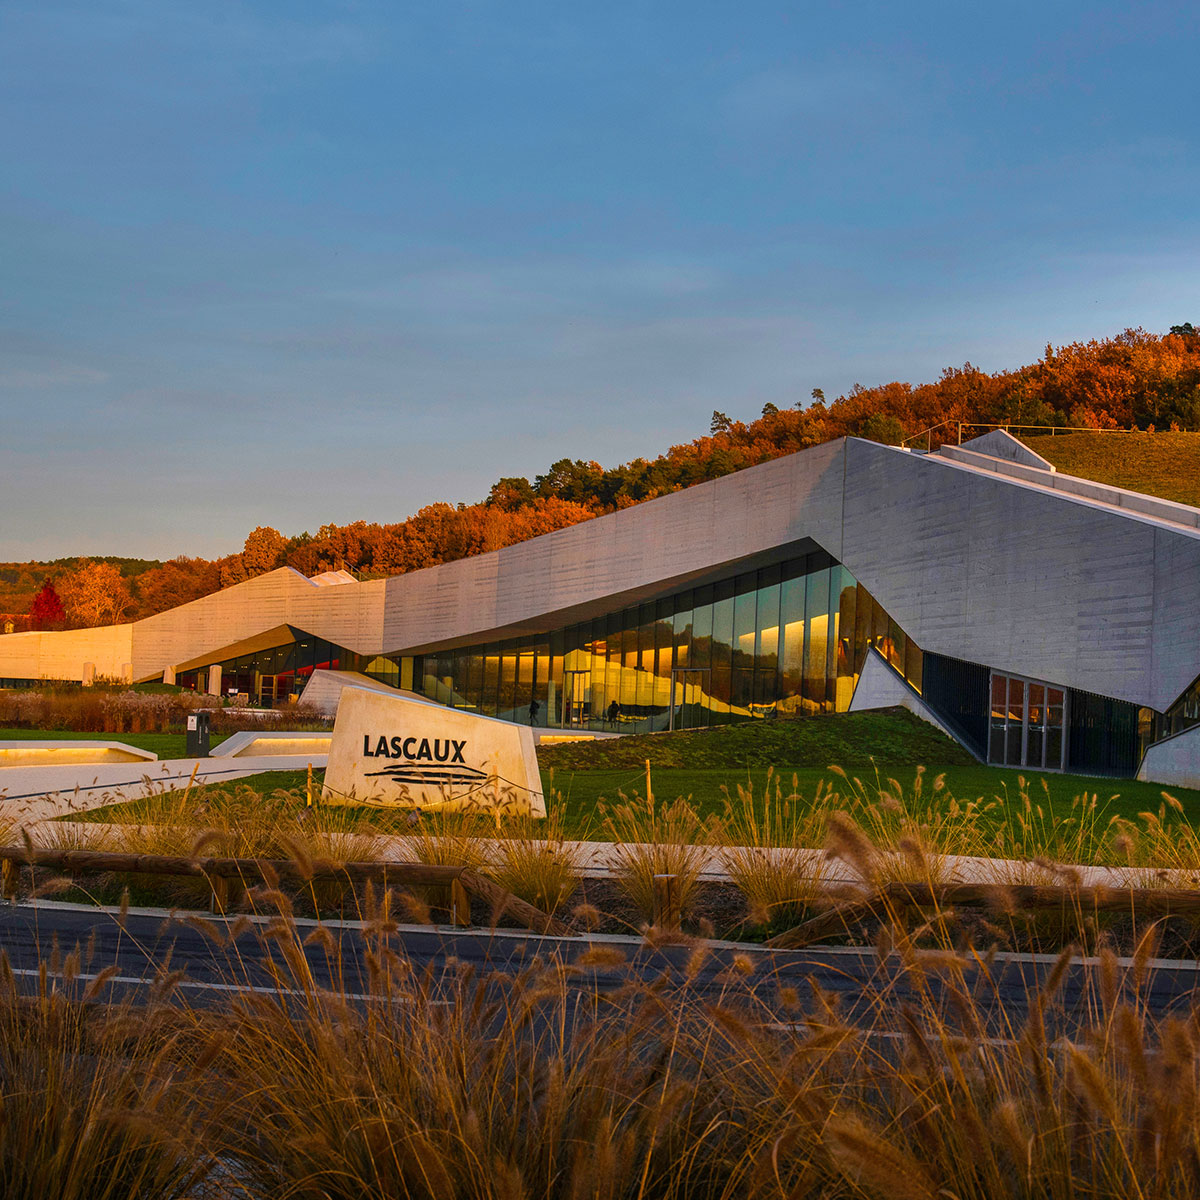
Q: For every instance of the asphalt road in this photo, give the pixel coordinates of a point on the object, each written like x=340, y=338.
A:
x=207, y=970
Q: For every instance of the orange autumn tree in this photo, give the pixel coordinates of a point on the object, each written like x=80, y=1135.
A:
x=1133, y=380
x=95, y=593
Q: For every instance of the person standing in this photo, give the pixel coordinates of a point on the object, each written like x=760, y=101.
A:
x=534, y=709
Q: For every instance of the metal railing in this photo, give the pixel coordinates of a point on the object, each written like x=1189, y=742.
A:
x=1007, y=426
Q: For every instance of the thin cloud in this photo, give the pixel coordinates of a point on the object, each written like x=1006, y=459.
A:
x=50, y=377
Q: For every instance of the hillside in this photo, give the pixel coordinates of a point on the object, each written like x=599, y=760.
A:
x=1135, y=380
x=1160, y=464
x=21, y=581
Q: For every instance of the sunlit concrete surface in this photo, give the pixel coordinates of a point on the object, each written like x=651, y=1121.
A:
x=30, y=794
x=323, y=691
x=67, y=752
x=600, y=860
x=273, y=744
x=1175, y=761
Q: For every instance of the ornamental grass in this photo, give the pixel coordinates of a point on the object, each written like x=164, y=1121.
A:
x=583, y=1077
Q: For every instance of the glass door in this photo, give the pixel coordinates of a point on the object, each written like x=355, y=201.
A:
x=577, y=688
x=1027, y=722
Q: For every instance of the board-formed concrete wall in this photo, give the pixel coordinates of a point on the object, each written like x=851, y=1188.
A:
x=61, y=654
x=650, y=549
x=1058, y=587
x=1174, y=762
x=349, y=615
x=976, y=557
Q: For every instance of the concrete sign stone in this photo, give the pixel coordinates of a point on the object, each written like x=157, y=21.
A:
x=412, y=754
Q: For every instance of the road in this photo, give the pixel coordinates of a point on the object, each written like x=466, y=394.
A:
x=145, y=945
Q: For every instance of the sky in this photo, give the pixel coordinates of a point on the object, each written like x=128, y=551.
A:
x=298, y=263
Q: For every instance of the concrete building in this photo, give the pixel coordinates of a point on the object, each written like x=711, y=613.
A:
x=1045, y=621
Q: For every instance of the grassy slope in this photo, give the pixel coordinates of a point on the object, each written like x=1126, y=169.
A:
x=1160, y=464
x=581, y=790
x=892, y=743
x=893, y=736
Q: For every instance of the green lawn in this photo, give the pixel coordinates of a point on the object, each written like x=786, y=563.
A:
x=581, y=790
x=848, y=739
x=701, y=765
x=578, y=794
x=165, y=745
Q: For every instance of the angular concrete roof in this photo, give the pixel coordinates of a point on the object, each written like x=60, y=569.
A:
x=977, y=551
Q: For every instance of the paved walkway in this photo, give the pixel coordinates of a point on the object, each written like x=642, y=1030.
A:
x=599, y=860
x=31, y=794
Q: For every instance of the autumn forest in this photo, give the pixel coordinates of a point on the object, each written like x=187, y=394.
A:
x=1135, y=380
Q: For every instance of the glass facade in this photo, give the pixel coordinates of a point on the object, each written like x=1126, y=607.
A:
x=785, y=639
x=273, y=675
x=1183, y=714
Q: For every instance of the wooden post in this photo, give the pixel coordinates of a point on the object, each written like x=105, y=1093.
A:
x=666, y=902
x=308, y=796
x=649, y=793
x=460, y=905
x=10, y=879
x=220, y=893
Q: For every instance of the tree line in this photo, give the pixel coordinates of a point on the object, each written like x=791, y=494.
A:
x=1135, y=380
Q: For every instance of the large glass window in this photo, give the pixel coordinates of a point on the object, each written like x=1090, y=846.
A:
x=702, y=628
x=846, y=591
x=788, y=638
x=816, y=639
x=791, y=620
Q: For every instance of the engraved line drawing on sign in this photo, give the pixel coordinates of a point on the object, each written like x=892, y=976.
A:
x=432, y=774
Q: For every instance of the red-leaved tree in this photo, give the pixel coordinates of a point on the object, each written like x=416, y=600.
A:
x=46, y=611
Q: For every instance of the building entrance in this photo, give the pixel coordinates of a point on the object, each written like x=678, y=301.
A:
x=577, y=693
x=1027, y=723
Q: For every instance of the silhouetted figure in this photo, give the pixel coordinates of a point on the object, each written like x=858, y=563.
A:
x=534, y=709
x=614, y=714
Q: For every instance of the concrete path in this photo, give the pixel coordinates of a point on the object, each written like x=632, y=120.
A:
x=718, y=864
x=32, y=794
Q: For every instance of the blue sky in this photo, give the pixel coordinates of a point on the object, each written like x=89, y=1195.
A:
x=295, y=263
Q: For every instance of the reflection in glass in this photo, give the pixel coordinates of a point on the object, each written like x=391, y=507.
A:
x=787, y=639
x=722, y=627
x=1027, y=723
x=791, y=620
x=816, y=640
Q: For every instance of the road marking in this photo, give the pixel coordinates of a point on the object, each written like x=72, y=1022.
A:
x=200, y=985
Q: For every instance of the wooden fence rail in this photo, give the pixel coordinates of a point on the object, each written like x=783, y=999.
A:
x=220, y=872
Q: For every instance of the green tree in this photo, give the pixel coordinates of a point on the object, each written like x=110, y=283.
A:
x=881, y=428
x=512, y=492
